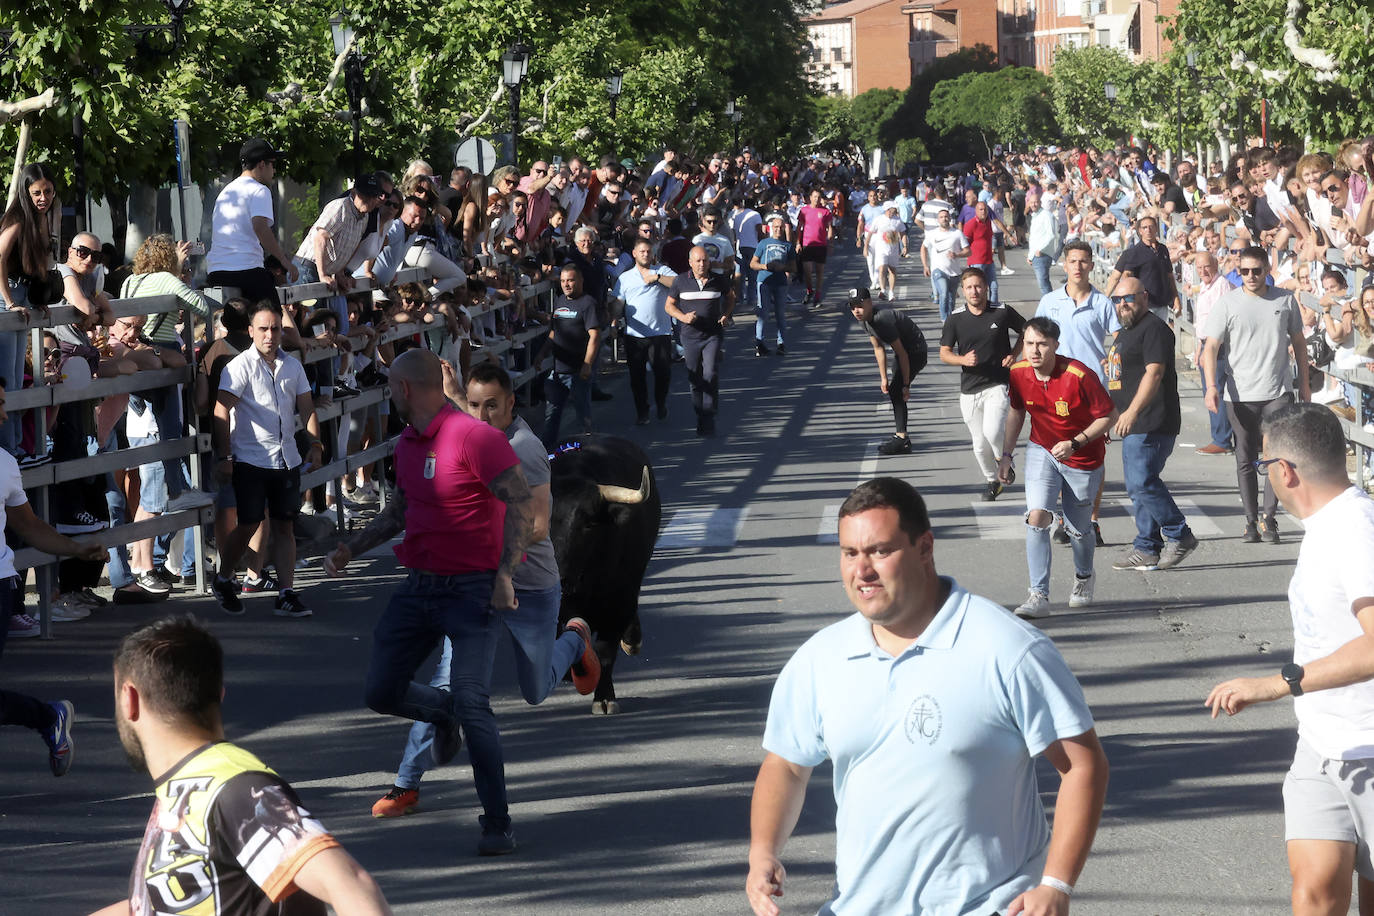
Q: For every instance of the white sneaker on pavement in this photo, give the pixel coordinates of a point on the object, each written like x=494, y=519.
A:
x=1082, y=594
x=1034, y=607
x=64, y=608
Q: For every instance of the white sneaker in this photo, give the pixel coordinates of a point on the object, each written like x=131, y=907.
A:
x=1007, y=271
x=1034, y=607
x=1082, y=594
x=65, y=608
x=191, y=499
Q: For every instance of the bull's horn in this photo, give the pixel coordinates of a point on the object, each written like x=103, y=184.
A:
x=613, y=494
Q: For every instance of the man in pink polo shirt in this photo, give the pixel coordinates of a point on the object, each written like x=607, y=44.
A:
x=536, y=188
x=465, y=507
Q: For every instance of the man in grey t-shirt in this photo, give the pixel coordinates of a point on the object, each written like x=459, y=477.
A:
x=1257, y=325
x=540, y=660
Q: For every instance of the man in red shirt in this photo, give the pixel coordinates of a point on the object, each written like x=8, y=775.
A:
x=979, y=232
x=1070, y=413
x=465, y=507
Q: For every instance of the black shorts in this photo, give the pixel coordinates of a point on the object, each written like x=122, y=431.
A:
x=260, y=492
x=253, y=284
x=813, y=253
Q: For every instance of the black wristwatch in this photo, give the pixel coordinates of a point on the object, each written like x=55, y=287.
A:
x=1293, y=675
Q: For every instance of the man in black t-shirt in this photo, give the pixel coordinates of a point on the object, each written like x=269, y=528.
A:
x=977, y=339
x=887, y=328
x=1144, y=387
x=1148, y=260
x=574, y=336
x=227, y=834
x=703, y=302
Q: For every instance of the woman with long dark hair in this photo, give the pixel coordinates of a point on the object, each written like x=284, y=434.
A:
x=27, y=231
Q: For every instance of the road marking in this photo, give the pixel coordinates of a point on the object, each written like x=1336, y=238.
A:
x=870, y=463
x=828, y=532
x=703, y=528
x=1201, y=525
x=1002, y=521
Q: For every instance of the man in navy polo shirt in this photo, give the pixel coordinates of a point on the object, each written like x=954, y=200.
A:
x=932, y=704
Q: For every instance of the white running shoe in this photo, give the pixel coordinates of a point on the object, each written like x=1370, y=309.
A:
x=1082, y=594
x=1034, y=607
x=65, y=607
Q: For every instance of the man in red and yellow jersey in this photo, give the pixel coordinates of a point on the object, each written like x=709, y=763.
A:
x=227, y=836
x=1070, y=413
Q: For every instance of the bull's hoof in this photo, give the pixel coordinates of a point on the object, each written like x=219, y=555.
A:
x=605, y=708
x=630, y=648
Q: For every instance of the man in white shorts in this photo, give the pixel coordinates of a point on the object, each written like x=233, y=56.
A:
x=1328, y=809
x=886, y=240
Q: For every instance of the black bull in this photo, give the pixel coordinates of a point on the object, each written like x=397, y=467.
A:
x=606, y=514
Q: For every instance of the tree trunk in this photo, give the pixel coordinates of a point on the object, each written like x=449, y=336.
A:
x=142, y=217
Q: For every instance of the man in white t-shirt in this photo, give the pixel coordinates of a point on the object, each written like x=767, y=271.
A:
x=940, y=251
x=1328, y=809
x=51, y=720
x=886, y=239
x=242, y=234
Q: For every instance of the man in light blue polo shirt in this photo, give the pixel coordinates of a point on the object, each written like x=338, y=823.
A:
x=1086, y=317
x=932, y=704
x=648, y=329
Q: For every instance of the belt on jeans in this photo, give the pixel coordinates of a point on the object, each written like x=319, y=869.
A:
x=424, y=576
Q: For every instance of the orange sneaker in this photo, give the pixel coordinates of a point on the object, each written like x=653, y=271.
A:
x=397, y=802
x=586, y=671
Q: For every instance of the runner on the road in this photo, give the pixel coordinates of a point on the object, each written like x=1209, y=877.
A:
x=888, y=328
x=1070, y=414
x=816, y=227
x=939, y=807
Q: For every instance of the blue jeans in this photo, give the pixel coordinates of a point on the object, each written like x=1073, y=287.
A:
x=421, y=612
x=944, y=292
x=1222, y=434
x=748, y=279
x=13, y=346
x=540, y=661
x=1156, y=515
x=166, y=404
x=990, y=271
x=559, y=388
x=1041, y=265
x=771, y=299
x=1048, y=484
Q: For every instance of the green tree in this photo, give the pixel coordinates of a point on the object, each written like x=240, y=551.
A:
x=1010, y=104
x=1310, y=61
x=908, y=120
x=1081, y=106
x=867, y=113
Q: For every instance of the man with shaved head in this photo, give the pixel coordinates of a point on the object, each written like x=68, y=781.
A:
x=1144, y=387
x=465, y=508
x=703, y=301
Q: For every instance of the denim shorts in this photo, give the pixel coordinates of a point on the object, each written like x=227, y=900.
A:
x=152, y=493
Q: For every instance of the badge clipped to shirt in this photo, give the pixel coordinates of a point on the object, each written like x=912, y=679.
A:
x=1061, y=408
x=430, y=463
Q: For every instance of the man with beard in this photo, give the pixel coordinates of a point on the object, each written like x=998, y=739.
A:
x=1144, y=386
x=225, y=828
x=458, y=481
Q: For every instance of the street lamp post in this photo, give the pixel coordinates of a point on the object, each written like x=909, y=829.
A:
x=1212, y=81
x=354, y=80
x=514, y=63
x=1109, y=90
x=613, y=86
x=733, y=112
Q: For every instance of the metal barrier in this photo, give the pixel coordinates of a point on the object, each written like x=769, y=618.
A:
x=41, y=396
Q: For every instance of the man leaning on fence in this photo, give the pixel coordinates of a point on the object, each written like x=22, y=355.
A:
x=261, y=392
x=242, y=227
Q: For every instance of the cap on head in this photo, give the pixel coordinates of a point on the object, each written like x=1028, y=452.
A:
x=776, y=218
x=256, y=150
x=858, y=296
x=368, y=185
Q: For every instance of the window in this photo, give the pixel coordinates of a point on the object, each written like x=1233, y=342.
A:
x=837, y=54
x=1104, y=37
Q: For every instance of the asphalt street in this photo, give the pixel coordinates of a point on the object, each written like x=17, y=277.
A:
x=648, y=811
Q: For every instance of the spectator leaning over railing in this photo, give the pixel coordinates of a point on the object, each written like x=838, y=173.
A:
x=27, y=233
x=158, y=268
x=241, y=227
x=330, y=242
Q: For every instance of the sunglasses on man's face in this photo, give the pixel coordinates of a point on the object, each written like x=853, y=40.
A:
x=1332, y=189
x=1128, y=299
x=1251, y=271
x=81, y=251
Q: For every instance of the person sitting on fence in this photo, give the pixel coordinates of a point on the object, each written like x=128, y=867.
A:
x=158, y=266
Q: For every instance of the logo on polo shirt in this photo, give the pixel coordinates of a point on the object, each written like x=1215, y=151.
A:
x=923, y=720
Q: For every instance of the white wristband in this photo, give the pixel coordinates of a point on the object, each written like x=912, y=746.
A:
x=1062, y=886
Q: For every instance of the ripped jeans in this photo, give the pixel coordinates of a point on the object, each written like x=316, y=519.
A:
x=1050, y=485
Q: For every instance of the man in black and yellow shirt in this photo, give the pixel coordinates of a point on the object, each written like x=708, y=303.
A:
x=227, y=835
